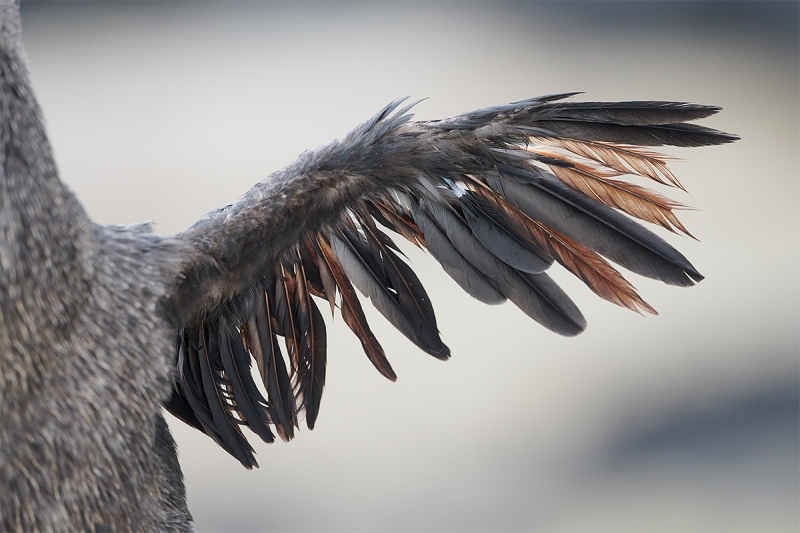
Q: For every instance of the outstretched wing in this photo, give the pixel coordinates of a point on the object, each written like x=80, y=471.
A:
x=496, y=196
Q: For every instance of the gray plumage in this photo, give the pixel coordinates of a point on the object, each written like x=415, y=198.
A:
x=100, y=326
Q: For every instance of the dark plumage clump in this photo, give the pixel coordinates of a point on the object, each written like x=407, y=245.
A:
x=100, y=326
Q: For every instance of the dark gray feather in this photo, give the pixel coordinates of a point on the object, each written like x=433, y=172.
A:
x=471, y=280
x=535, y=294
x=605, y=230
x=497, y=237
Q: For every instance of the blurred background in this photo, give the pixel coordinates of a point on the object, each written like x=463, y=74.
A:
x=683, y=422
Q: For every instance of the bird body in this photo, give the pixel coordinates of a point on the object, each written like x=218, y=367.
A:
x=101, y=325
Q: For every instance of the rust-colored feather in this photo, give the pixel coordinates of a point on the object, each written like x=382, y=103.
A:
x=319, y=279
x=353, y=314
x=401, y=223
x=586, y=264
x=637, y=201
x=623, y=158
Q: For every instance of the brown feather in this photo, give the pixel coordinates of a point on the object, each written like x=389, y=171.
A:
x=317, y=274
x=623, y=158
x=637, y=201
x=353, y=314
x=401, y=223
x=308, y=258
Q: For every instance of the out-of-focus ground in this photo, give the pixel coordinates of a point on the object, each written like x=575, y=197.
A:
x=687, y=421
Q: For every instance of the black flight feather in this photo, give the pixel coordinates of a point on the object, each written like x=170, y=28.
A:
x=236, y=363
x=224, y=422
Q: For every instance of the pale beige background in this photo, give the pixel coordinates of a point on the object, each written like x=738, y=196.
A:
x=688, y=421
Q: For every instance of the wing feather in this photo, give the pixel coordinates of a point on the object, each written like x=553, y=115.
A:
x=472, y=280
x=535, y=294
x=248, y=400
x=496, y=196
x=353, y=314
x=586, y=264
x=311, y=365
x=216, y=391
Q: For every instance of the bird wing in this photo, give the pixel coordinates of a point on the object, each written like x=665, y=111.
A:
x=496, y=196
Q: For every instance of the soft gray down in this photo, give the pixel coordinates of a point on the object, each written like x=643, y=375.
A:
x=100, y=326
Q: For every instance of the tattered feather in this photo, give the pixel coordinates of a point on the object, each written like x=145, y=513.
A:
x=628, y=197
